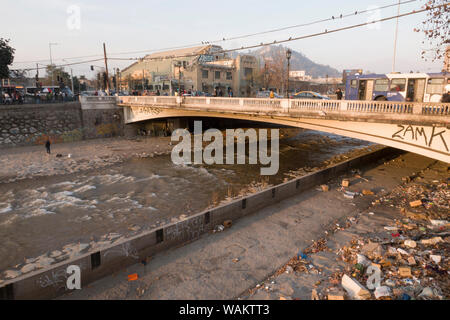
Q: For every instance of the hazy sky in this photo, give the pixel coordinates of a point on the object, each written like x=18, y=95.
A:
x=138, y=25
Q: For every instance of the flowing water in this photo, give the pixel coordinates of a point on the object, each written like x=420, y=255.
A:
x=41, y=215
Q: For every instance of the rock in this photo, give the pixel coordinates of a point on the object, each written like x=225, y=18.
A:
x=411, y=261
x=83, y=246
x=44, y=262
x=363, y=260
x=55, y=254
x=372, y=250
x=401, y=251
x=382, y=291
x=11, y=274
x=314, y=295
x=28, y=268
x=354, y=289
x=439, y=222
x=436, y=259
x=410, y=243
x=427, y=293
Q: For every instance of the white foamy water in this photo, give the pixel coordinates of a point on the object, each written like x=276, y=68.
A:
x=5, y=207
x=84, y=188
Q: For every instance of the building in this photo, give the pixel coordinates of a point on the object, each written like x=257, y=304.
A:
x=447, y=60
x=299, y=75
x=203, y=68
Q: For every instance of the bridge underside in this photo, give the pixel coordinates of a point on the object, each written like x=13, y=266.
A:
x=428, y=140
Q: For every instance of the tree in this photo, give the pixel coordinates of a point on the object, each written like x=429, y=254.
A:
x=436, y=28
x=57, y=73
x=6, y=57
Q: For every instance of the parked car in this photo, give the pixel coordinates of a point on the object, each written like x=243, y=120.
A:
x=309, y=95
x=266, y=94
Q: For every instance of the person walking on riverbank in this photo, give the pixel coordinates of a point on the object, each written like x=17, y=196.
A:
x=47, y=145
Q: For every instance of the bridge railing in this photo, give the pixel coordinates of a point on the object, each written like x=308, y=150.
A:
x=380, y=106
x=300, y=104
x=285, y=105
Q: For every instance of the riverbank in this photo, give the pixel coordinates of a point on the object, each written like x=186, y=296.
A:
x=21, y=163
x=225, y=265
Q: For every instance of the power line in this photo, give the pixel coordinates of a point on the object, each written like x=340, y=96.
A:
x=295, y=38
x=341, y=16
x=57, y=66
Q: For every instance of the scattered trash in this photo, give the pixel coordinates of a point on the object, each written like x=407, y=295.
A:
x=132, y=277
x=314, y=295
x=432, y=241
x=219, y=228
x=382, y=291
x=337, y=295
x=368, y=192
x=350, y=195
x=410, y=243
x=404, y=272
x=227, y=223
x=416, y=203
x=354, y=288
x=436, y=259
x=345, y=183
x=325, y=188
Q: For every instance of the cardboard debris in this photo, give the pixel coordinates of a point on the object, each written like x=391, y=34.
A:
x=432, y=241
x=368, y=193
x=345, y=183
x=325, y=188
x=416, y=203
x=404, y=272
x=336, y=295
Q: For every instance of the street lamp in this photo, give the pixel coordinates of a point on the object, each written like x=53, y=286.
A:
x=288, y=57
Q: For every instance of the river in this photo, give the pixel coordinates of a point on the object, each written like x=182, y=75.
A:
x=50, y=216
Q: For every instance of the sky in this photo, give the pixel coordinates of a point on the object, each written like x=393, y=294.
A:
x=80, y=27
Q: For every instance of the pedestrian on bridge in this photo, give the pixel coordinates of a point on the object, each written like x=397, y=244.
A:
x=339, y=94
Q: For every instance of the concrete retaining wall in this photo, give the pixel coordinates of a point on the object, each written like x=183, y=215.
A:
x=33, y=124
x=51, y=282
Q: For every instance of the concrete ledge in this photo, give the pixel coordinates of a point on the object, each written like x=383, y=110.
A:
x=51, y=282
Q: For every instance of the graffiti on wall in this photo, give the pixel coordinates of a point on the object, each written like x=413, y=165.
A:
x=424, y=135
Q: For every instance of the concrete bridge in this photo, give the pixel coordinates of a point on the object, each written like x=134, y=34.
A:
x=422, y=128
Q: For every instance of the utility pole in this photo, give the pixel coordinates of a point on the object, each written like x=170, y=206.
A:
x=395, y=39
x=37, y=74
x=106, y=67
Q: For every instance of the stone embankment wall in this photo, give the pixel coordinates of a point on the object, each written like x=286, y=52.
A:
x=22, y=125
